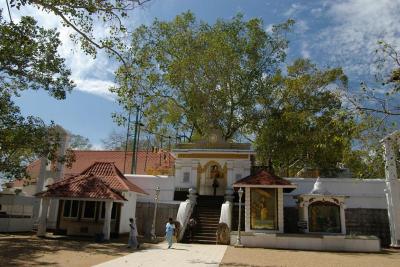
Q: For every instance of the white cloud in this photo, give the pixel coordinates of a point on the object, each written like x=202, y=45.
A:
x=301, y=26
x=96, y=87
x=305, y=52
x=92, y=75
x=292, y=10
x=358, y=25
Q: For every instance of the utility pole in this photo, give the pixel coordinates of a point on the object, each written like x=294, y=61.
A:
x=133, y=168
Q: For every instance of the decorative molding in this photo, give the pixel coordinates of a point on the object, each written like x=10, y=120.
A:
x=213, y=156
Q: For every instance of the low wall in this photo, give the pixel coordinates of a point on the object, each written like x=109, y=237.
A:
x=309, y=242
x=145, y=213
x=16, y=213
x=361, y=193
x=358, y=222
x=16, y=224
x=149, y=184
x=368, y=222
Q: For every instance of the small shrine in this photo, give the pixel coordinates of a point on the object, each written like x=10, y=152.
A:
x=264, y=201
x=322, y=212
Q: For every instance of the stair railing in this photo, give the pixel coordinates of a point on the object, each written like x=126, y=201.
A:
x=185, y=212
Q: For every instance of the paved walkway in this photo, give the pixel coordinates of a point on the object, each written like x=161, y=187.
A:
x=179, y=255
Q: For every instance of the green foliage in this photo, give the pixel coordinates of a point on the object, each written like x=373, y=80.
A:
x=304, y=123
x=382, y=99
x=24, y=139
x=79, y=142
x=29, y=59
x=193, y=77
x=82, y=15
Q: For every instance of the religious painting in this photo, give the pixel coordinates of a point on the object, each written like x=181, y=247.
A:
x=215, y=172
x=324, y=217
x=263, y=209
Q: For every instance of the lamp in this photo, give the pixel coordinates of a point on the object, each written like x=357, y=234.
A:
x=238, y=240
x=153, y=226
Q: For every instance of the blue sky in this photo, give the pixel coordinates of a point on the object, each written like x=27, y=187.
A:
x=331, y=33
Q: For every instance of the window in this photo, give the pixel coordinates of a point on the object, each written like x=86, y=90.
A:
x=113, y=211
x=186, y=177
x=324, y=217
x=89, y=210
x=263, y=209
x=71, y=208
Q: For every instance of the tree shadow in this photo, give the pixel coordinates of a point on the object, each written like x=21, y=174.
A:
x=27, y=249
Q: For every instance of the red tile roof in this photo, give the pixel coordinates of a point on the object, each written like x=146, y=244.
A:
x=112, y=176
x=101, y=180
x=82, y=186
x=147, y=162
x=263, y=178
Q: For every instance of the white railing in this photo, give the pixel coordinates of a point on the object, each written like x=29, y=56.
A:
x=226, y=214
x=185, y=212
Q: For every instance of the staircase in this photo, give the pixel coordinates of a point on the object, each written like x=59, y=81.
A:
x=207, y=213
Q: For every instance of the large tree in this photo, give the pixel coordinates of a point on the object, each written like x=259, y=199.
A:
x=29, y=59
x=382, y=97
x=304, y=120
x=192, y=77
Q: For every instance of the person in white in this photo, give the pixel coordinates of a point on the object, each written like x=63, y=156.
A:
x=132, y=242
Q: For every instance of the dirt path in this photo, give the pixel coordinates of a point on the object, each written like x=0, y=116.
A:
x=258, y=257
x=28, y=250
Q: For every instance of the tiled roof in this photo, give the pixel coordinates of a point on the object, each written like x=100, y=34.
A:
x=263, y=178
x=147, y=162
x=82, y=186
x=101, y=180
x=112, y=176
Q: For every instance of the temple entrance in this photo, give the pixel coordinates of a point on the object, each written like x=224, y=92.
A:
x=211, y=179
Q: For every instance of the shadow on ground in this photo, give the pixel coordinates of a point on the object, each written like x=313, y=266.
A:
x=27, y=249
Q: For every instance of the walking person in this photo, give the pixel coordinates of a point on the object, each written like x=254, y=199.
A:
x=169, y=232
x=132, y=242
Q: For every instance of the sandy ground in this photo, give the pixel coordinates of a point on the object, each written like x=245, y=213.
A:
x=180, y=255
x=28, y=250
x=258, y=257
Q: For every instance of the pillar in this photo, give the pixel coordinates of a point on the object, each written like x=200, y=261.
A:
x=43, y=217
x=392, y=189
x=305, y=216
x=107, y=220
x=342, y=218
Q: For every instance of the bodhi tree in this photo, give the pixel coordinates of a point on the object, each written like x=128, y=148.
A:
x=305, y=123
x=192, y=77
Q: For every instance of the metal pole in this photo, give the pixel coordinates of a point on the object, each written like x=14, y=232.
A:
x=127, y=138
x=153, y=226
x=133, y=167
x=238, y=240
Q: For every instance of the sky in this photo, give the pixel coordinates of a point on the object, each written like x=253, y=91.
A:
x=330, y=33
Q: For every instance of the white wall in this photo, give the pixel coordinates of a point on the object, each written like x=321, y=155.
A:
x=128, y=210
x=367, y=193
x=17, y=206
x=149, y=183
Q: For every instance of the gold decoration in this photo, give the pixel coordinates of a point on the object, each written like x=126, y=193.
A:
x=214, y=156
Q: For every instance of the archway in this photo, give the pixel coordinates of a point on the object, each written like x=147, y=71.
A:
x=211, y=179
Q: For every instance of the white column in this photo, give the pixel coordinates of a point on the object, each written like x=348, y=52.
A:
x=247, y=207
x=107, y=220
x=392, y=190
x=43, y=217
x=280, y=210
x=342, y=218
x=230, y=178
x=305, y=216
